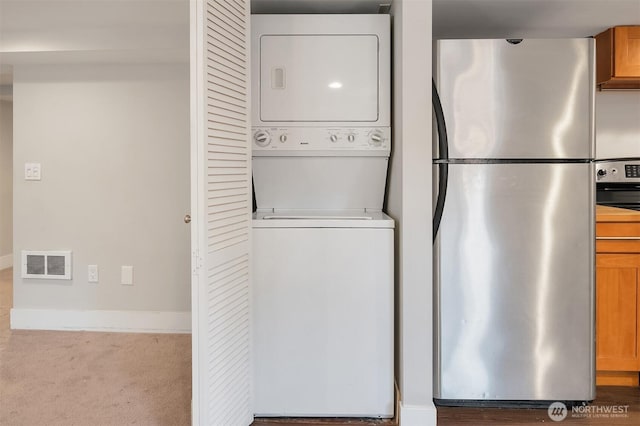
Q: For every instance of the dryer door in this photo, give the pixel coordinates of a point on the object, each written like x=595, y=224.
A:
x=319, y=78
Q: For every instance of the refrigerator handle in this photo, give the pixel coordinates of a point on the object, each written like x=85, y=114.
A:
x=443, y=150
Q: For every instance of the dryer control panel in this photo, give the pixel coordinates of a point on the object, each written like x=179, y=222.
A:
x=278, y=140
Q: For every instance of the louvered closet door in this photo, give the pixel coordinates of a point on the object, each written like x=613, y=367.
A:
x=221, y=202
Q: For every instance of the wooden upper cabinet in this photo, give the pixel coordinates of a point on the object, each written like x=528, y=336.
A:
x=618, y=58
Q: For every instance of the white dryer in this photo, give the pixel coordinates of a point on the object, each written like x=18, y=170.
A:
x=322, y=247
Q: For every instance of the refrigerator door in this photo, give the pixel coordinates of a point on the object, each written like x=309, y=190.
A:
x=528, y=100
x=515, y=283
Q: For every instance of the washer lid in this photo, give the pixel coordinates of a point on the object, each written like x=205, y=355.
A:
x=321, y=219
x=319, y=183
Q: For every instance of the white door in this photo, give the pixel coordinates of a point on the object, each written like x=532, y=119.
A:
x=221, y=212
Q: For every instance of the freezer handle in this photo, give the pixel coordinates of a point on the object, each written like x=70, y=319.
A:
x=443, y=149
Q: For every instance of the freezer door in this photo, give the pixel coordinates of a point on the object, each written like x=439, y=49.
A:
x=528, y=100
x=515, y=283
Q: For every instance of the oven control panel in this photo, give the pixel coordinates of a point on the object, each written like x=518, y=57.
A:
x=623, y=170
x=632, y=170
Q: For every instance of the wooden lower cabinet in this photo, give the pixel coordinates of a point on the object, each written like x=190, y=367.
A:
x=618, y=318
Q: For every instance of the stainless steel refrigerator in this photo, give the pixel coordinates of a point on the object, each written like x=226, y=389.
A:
x=514, y=253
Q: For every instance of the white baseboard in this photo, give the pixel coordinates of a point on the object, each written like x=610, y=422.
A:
x=6, y=261
x=118, y=321
x=417, y=415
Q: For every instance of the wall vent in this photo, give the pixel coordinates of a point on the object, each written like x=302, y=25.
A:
x=50, y=265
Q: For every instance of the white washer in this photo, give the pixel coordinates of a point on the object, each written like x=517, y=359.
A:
x=322, y=262
x=323, y=315
x=322, y=286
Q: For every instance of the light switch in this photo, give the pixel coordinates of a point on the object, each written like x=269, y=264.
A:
x=32, y=171
x=92, y=273
x=126, y=276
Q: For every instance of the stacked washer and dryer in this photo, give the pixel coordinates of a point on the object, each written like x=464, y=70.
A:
x=322, y=247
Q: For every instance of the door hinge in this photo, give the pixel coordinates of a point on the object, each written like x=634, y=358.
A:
x=196, y=261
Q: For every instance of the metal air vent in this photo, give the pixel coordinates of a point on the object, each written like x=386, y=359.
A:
x=50, y=265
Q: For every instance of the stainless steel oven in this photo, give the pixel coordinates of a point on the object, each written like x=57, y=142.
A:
x=618, y=183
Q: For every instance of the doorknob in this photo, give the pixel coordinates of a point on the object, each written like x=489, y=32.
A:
x=187, y=218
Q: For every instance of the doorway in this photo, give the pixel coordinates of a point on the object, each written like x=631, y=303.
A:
x=6, y=195
x=6, y=168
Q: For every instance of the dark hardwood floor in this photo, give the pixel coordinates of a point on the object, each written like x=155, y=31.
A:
x=323, y=422
x=606, y=396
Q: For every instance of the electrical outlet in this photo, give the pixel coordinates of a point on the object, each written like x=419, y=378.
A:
x=126, y=275
x=92, y=273
x=32, y=171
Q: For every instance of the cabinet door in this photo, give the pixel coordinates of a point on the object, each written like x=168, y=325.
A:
x=617, y=315
x=627, y=51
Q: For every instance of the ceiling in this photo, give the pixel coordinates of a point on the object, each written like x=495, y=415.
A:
x=317, y=6
x=489, y=18
x=91, y=31
x=28, y=27
x=530, y=18
x=63, y=31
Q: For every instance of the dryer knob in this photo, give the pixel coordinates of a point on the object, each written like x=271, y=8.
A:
x=351, y=137
x=262, y=138
x=333, y=138
x=376, y=138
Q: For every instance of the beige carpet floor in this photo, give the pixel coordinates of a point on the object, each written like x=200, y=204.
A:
x=88, y=378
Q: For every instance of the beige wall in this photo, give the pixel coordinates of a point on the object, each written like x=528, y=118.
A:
x=409, y=203
x=6, y=170
x=617, y=124
x=113, y=142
